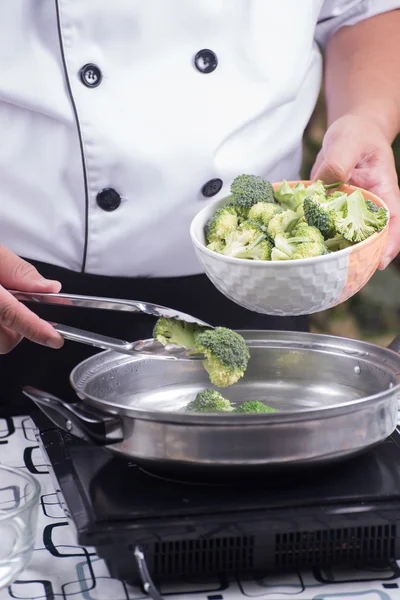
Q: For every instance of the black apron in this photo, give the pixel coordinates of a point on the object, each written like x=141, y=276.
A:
x=31, y=364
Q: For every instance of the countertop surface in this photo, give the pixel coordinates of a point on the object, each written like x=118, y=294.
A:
x=62, y=569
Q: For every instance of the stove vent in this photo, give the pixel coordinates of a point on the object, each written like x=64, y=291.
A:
x=357, y=545
x=214, y=555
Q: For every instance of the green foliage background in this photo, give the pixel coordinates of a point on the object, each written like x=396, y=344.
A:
x=374, y=313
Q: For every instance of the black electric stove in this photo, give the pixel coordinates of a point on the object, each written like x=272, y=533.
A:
x=343, y=514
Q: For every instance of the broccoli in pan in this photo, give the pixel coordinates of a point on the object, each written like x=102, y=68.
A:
x=211, y=401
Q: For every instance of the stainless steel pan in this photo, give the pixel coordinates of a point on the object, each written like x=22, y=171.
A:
x=336, y=397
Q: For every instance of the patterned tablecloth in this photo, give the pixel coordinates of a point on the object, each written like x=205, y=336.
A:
x=62, y=570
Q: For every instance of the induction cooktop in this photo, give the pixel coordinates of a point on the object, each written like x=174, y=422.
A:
x=347, y=513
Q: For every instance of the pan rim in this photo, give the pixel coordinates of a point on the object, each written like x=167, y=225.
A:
x=306, y=340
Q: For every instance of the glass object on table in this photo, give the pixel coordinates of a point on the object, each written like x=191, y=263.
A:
x=19, y=503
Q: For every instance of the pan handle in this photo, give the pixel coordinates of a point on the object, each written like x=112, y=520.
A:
x=395, y=345
x=87, y=423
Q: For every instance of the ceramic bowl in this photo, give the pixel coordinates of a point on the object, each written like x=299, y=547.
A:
x=292, y=287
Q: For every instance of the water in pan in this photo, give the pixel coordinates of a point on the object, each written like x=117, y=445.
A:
x=281, y=395
x=285, y=380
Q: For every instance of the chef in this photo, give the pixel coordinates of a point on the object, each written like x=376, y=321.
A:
x=121, y=120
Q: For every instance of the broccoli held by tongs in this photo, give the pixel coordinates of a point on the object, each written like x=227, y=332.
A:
x=225, y=350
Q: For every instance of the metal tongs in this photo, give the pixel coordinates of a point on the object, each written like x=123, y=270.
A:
x=144, y=347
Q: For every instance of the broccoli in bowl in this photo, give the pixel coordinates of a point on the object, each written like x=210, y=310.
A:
x=292, y=222
x=313, y=248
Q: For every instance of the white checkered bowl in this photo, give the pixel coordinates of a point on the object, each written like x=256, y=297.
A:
x=290, y=287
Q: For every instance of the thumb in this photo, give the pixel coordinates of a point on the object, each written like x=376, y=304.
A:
x=338, y=158
x=18, y=274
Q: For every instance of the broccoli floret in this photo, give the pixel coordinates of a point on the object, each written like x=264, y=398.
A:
x=172, y=331
x=357, y=222
x=311, y=233
x=292, y=198
x=372, y=206
x=297, y=247
x=242, y=213
x=209, y=401
x=337, y=243
x=254, y=406
x=223, y=222
x=287, y=197
x=242, y=242
x=278, y=255
x=260, y=251
x=247, y=190
x=226, y=355
x=216, y=247
x=262, y=212
x=283, y=223
x=336, y=194
x=323, y=214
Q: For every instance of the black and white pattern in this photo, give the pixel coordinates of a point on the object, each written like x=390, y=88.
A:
x=60, y=569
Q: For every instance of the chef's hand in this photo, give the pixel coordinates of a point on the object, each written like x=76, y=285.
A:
x=356, y=150
x=16, y=320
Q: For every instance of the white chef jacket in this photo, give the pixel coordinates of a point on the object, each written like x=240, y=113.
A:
x=160, y=128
